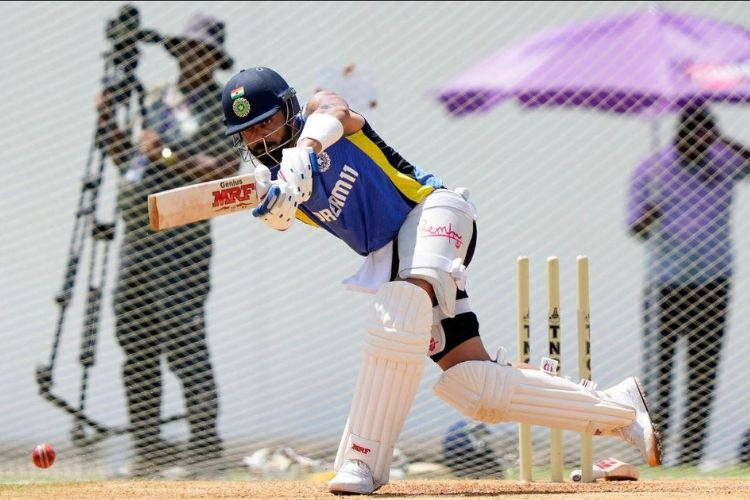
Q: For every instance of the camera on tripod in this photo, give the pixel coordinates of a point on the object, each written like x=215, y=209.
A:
x=125, y=33
x=90, y=242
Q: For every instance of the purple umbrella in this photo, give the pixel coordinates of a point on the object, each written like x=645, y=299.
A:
x=648, y=62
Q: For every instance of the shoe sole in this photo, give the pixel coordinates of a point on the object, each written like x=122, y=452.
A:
x=348, y=489
x=657, y=435
x=341, y=491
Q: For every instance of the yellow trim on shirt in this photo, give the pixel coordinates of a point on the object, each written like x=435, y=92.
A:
x=302, y=216
x=409, y=186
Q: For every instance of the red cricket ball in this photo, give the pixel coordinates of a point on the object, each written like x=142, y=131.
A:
x=43, y=455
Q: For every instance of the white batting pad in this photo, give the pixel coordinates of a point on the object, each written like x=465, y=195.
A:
x=398, y=337
x=492, y=393
x=433, y=241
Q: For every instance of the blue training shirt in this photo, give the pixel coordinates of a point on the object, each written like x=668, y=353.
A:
x=364, y=190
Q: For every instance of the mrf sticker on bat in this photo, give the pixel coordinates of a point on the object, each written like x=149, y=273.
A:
x=232, y=194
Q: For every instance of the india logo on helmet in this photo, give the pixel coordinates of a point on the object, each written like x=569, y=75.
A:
x=241, y=107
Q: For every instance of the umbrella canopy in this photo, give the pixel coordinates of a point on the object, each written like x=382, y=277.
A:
x=649, y=62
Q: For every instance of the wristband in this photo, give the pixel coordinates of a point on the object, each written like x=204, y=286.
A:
x=324, y=128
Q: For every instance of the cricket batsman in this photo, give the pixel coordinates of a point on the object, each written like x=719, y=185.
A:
x=325, y=166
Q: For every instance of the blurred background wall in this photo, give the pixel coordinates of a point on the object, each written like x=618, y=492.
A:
x=286, y=350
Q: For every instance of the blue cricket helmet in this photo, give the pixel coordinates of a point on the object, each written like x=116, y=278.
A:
x=254, y=95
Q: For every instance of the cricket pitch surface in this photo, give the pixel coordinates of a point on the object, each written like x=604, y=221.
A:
x=422, y=489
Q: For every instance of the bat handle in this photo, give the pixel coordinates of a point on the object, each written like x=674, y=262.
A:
x=267, y=202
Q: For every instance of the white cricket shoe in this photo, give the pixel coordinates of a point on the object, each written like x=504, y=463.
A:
x=641, y=433
x=354, y=477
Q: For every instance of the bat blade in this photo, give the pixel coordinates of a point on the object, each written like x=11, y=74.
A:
x=609, y=469
x=196, y=202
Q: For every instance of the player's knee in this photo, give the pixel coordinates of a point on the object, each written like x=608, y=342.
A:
x=478, y=389
x=424, y=285
x=400, y=321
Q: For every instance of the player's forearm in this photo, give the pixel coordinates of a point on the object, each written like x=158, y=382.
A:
x=335, y=106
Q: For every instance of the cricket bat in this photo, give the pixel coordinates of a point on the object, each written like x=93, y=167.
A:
x=610, y=469
x=196, y=202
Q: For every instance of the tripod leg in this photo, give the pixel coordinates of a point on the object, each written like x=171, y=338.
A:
x=74, y=256
x=44, y=373
x=102, y=234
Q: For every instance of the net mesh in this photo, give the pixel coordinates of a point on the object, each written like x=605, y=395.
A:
x=226, y=346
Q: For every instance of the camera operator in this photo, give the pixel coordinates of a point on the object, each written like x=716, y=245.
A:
x=163, y=280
